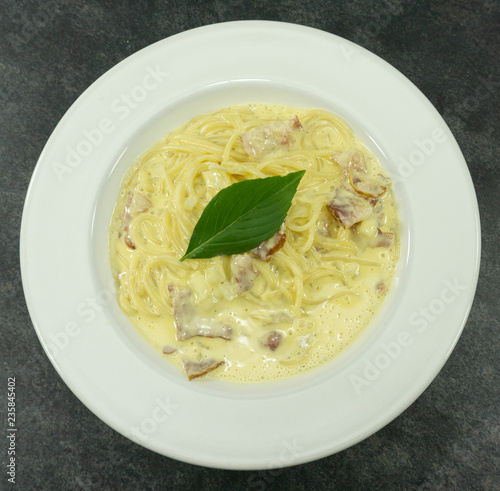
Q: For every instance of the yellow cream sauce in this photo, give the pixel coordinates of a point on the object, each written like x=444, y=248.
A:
x=333, y=308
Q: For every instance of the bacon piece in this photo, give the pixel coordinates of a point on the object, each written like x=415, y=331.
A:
x=369, y=187
x=265, y=250
x=272, y=340
x=189, y=323
x=383, y=239
x=352, y=160
x=349, y=208
x=357, y=176
x=168, y=350
x=244, y=273
x=264, y=140
x=136, y=203
x=128, y=240
x=197, y=369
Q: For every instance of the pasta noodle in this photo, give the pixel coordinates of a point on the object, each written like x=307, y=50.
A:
x=311, y=297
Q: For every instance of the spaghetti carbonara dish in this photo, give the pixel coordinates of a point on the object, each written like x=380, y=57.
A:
x=297, y=299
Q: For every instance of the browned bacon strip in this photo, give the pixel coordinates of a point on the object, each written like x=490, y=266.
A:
x=189, y=323
x=265, y=250
x=244, y=273
x=197, y=369
x=348, y=207
x=357, y=176
x=369, y=187
x=264, y=140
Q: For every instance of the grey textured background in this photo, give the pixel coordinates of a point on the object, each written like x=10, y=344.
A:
x=50, y=52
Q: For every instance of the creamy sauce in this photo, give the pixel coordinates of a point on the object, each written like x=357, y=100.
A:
x=314, y=295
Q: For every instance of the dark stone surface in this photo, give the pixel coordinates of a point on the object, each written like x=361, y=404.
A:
x=50, y=52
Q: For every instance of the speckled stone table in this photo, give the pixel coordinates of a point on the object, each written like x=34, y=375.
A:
x=50, y=52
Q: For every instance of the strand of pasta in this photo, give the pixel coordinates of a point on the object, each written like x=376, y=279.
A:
x=193, y=145
x=235, y=137
x=151, y=285
x=134, y=289
x=153, y=235
x=290, y=260
x=310, y=300
x=348, y=259
x=330, y=243
x=321, y=273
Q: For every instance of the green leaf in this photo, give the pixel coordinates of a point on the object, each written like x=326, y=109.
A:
x=243, y=215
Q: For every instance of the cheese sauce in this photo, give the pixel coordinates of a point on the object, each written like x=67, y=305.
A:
x=282, y=309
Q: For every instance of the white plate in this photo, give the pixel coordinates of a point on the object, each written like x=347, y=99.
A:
x=67, y=280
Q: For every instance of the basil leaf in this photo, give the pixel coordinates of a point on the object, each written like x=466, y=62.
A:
x=243, y=215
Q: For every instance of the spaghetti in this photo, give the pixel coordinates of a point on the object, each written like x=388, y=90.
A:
x=338, y=247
